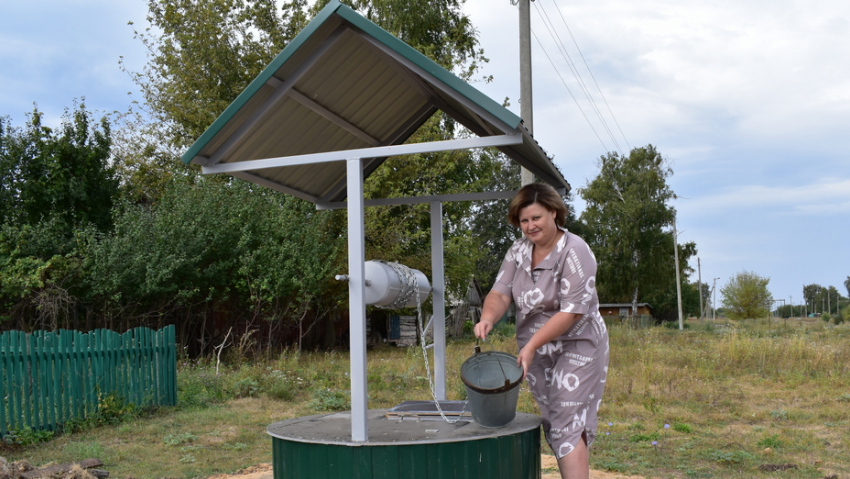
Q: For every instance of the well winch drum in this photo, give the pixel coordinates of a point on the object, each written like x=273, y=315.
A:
x=492, y=381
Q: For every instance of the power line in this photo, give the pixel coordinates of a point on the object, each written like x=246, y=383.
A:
x=592, y=76
x=553, y=32
x=569, y=91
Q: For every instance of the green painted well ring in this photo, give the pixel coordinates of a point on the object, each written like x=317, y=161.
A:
x=320, y=447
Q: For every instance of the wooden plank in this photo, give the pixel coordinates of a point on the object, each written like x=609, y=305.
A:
x=5, y=354
x=171, y=344
x=40, y=375
x=61, y=468
x=51, y=342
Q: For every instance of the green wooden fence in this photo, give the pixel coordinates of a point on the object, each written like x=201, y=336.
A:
x=50, y=377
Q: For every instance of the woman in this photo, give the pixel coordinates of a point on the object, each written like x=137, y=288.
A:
x=550, y=274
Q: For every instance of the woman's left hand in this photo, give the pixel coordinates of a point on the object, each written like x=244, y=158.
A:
x=526, y=356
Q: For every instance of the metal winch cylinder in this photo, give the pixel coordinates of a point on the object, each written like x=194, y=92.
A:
x=394, y=286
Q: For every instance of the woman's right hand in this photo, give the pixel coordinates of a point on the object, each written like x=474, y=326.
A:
x=482, y=328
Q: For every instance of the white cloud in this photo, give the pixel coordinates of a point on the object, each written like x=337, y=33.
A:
x=827, y=197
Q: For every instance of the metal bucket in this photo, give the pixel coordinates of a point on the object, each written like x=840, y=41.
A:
x=492, y=383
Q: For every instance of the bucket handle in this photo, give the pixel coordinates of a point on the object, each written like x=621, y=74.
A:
x=477, y=350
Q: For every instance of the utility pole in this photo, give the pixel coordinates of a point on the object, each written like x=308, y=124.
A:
x=714, y=291
x=699, y=287
x=678, y=281
x=525, y=96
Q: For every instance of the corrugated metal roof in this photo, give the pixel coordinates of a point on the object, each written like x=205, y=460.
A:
x=345, y=84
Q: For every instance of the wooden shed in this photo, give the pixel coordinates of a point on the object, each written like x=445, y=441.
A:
x=624, y=310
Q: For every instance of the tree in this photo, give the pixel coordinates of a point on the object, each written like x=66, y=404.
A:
x=746, y=296
x=821, y=299
x=626, y=215
x=664, y=299
x=209, y=247
x=55, y=185
x=204, y=53
x=62, y=175
x=847, y=285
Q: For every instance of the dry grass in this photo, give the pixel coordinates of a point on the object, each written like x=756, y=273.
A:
x=739, y=400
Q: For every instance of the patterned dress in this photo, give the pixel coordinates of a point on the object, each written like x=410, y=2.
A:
x=567, y=375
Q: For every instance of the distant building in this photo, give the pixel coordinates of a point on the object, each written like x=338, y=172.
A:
x=624, y=309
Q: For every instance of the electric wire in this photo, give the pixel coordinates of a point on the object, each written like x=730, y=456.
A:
x=591, y=75
x=550, y=27
x=569, y=91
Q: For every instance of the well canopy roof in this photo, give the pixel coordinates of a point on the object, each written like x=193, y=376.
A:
x=345, y=88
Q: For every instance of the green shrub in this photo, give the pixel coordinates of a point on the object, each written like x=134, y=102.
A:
x=27, y=436
x=505, y=329
x=246, y=387
x=328, y=400
x=841, y=316
x=281, y=390
x=113, y=409
x=199, y=387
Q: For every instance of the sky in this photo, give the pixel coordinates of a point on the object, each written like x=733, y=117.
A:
x=748, y=100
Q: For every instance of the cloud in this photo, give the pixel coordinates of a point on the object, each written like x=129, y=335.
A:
x=826, y=197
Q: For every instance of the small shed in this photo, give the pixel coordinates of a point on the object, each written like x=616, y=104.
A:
x=624, y=309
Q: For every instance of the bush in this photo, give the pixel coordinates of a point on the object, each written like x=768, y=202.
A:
x=246, y=387
x=199, y=387
x=328, y=400
x=282, y=391
x=841, y=316
x=27, y=436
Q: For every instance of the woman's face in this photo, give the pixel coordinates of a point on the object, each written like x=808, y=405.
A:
x=538, y=224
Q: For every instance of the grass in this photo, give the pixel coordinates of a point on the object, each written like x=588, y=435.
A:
x=711, y=401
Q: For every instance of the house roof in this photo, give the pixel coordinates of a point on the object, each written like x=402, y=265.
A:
x=623, y=305
x=345, y=88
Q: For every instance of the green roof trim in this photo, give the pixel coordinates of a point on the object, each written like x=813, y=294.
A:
x=357, y=20
x=261, y=80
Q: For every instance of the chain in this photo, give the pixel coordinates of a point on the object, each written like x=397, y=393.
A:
x=409, y=287
x=428, y=366
x=408, y=283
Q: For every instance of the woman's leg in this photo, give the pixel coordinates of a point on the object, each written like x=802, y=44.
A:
x=576, y=464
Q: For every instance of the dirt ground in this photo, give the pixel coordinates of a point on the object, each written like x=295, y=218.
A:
x=550, y=471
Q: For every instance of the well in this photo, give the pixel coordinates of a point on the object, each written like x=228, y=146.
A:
x=321, y=447
x=341, y=98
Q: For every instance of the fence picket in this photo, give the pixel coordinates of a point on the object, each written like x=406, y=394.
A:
x=4, y=381
x=51, y=377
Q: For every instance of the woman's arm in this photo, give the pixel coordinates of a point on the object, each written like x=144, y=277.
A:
x=554, y=327
x=495, y=306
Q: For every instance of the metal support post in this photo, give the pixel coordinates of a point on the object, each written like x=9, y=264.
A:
x=357, y=299
x=438, y=294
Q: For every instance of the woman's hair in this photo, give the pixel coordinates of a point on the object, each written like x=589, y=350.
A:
x=539, y=193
